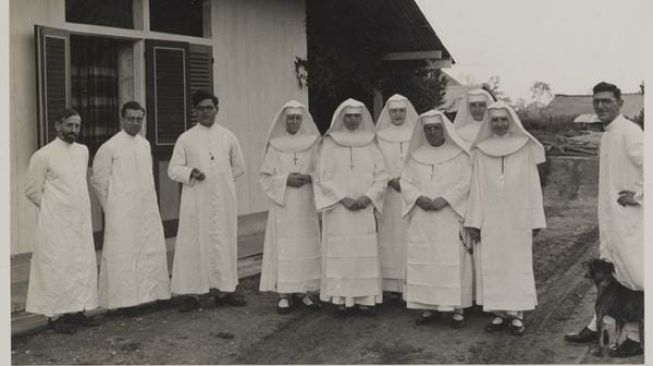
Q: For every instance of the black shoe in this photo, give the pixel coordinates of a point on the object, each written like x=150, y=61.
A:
x=517, y=330
x=426, y=319
x=627, y=349
x=313, y=305
x=457, y=323
x=492, y=327
x=368, y=311
x=79, y=319
x=190, y=303
x=231, y=299
x=61, y=326
x=341, y=312
x=131, y=311
x=584, y=336
x=283, y=310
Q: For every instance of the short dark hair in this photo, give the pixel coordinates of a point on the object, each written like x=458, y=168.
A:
x=132, y=104
x=607, y=87
x=65, y=114
x=201, y=95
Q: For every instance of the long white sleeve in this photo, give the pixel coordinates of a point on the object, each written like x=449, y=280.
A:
x=102, y=173
x=178, y=171
x=236, y=159
x=36, y=173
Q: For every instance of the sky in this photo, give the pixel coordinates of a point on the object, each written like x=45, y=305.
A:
x=569, y=44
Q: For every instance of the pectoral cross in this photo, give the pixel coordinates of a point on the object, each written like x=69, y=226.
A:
x=401, y=150
x=295, y=159
x=432, y=170
x=351, y=159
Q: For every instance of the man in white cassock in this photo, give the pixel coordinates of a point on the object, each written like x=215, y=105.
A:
x=291, y=249
x=63, y=270
x=435, y=186
x=505, y=211
x=620, y=207
x=351, y=184
x=207, y=160
x=134, y=264
x=393, y=130
x=471, y=115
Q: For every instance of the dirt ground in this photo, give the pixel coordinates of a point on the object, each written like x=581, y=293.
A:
x=256, y=334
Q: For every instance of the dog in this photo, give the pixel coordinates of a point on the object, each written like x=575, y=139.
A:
x=613, y=299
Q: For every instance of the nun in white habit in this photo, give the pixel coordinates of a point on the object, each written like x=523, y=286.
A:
x=291, y=250
x=351, y=186
x=505, y=211
x=393, y=130
x=471, y=115
x=435, y=188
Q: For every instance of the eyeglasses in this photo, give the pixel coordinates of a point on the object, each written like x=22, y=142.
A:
x=206, y=108
x=134, y=119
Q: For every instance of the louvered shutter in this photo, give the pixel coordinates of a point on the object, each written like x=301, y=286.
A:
x=201, y=70
x=53, y=78
x=167, y=93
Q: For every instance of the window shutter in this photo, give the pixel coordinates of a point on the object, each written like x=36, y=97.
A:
x=167, y=82
x=201, y=71
x=53, y=78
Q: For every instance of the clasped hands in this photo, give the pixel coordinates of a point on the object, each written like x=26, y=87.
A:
x=356, y=204
x=428, y=204
x=298, y=179
x=197, y=174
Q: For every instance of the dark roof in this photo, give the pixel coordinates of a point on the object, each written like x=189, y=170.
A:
x=564, y=105
x=393, y=25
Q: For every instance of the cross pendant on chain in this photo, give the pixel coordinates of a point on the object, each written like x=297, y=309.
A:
x=295, y=159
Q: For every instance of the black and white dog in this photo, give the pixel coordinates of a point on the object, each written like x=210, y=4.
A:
x=613, y=299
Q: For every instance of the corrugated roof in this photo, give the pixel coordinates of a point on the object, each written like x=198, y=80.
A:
x=574, y=105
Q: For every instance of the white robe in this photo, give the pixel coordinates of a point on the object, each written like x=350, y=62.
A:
x=439, y=267
x=291, y=250
x=506, y=207
x=205, y=250
x=621, y=229
x=63, y=272
x=134, y=264
x=350, y=255
x=392, y=226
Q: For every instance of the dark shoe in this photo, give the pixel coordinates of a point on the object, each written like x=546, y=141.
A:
x=283, y=310
x=491, y=327
x=341, y=312
x=457, y=323
x=308, y=304
x=517, y=330
x=79, y=319
x=190, y=303
x=627, y=349
x=231, y=299
x=368, y=311
x=61, y=326
x=426, y=319
x=584, y=336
